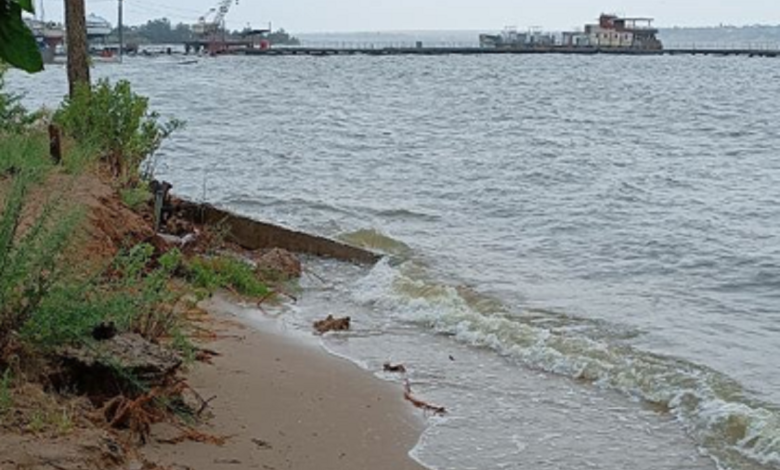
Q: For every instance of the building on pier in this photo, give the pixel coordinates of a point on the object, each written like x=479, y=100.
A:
x=613, y=31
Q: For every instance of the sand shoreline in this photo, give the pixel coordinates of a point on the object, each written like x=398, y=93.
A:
x=285, y=405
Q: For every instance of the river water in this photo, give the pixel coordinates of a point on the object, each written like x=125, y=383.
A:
x=584, y=251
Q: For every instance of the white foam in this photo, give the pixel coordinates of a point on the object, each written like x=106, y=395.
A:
x=692, y=392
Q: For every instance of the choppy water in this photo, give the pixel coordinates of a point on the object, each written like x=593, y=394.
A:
x=613, y=220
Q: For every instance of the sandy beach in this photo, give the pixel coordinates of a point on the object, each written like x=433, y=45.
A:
x=287, y=405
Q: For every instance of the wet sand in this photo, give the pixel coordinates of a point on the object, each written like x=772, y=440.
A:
x=288, y=405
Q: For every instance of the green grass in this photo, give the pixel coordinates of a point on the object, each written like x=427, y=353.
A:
x=135, y=198
x=225, y=272
x=25, y=153
x=80, y=157
x=29, y=256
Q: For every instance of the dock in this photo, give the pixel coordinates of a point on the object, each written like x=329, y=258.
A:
x=440, y=51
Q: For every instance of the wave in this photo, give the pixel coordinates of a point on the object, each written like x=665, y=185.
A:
x=375, y=240
x=735, y=430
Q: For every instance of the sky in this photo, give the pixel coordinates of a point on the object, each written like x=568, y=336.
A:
x=301, y=16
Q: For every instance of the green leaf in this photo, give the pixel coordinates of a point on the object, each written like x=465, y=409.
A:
x=17, y=43
x=27, y=5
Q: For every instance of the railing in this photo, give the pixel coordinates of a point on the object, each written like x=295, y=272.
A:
x=386, y=44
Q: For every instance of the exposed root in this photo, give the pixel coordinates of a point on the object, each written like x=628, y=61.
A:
x=437, y=410
x=137, y=415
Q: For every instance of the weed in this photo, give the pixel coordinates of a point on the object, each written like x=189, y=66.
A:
x=129, y=293
x=29, y=260
x=63, y=421
x=37, y=421
x=13, y=116
x=80, y=157
x=227, y=273
x=6, y=398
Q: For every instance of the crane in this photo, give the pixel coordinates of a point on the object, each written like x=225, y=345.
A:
x=206, y=27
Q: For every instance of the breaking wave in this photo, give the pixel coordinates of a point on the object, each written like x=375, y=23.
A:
x=732, y=428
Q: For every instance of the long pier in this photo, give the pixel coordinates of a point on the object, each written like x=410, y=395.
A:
x=439, y=51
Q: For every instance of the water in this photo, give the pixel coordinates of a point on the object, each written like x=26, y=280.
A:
x=595, y=239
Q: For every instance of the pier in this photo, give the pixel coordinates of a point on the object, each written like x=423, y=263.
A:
x=439, y=51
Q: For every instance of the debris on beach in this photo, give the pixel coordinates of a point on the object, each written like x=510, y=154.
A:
x=397, y=369
x=332, y=324
x=437, y=410
x=206, y=355
x=193, y=435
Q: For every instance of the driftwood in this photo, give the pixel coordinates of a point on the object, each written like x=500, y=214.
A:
x=398, y=369
x=332, y=324
x=438, y=410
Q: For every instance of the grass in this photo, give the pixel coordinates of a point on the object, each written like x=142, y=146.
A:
x=31, y=244
x=225, y=272
x=6, y=398
x=29, y=152
x=25, y=152
x=128, y=293
x=135, y=198
x=80, y=157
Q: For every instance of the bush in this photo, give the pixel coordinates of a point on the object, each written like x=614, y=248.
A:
x=29, y=259
x=13, y=116
x=129, y=293
x=119, y=124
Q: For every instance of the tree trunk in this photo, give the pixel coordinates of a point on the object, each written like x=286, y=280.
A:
x=78, y=60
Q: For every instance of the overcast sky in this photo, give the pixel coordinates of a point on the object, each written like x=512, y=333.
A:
x=381, y=15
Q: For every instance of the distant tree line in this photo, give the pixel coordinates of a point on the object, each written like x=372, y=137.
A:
x=162, y=31
x=755, y=35
x=283, y=38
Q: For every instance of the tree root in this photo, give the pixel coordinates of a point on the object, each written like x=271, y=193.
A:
x=189, y=434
